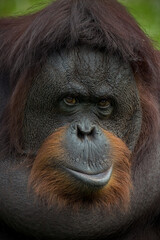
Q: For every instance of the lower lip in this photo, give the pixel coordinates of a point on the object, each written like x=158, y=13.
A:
x=97, y=180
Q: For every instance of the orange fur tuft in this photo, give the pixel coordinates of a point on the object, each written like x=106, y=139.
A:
x=55, y=186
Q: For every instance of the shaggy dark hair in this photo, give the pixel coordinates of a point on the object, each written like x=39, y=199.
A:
x=26, y=42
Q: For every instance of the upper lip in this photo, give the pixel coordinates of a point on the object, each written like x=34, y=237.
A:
x=99, y=179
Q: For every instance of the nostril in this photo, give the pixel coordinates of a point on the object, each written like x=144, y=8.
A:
x=82, y=132
x=92, y=132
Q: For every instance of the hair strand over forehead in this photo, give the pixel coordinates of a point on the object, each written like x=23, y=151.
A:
x=26, y=42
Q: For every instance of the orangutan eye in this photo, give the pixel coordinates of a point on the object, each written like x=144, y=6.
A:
x=104, y=103
x=69, y=100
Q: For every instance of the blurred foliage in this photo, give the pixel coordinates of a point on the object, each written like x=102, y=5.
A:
x=146, y=12
x=20, y=7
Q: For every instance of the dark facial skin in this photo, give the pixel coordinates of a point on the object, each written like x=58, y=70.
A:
x=89, y=99
x=89, y=77
x=70, y=91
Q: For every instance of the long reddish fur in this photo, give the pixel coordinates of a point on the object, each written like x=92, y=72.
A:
x=54, y=185
x=26, y=41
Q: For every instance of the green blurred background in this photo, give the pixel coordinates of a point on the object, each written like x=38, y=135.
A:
x=146, y=12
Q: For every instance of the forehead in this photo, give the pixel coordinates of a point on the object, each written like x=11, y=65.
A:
x=88, y=69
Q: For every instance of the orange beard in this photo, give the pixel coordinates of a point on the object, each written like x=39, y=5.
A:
x=55, y=186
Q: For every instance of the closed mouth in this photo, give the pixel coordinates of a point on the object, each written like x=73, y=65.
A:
x=97, y=180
